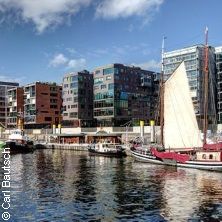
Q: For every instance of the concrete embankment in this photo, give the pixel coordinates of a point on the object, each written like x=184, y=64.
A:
x=80, y=147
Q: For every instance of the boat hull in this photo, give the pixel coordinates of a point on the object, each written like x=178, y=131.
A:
x=107, y=153
x=212, y=166
x=20, y=148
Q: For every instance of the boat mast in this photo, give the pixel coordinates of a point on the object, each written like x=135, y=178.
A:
x=205, y=79
x=162, y=94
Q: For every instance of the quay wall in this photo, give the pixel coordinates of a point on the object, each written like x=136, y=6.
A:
x=127, y=133
x=78, y=147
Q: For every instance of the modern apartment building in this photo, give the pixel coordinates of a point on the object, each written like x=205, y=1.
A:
x=194, y=58
x=123, y=93
x=42, y=104
x=4, y=86
x=218, y=53
x=78, y=99
x=15, y=106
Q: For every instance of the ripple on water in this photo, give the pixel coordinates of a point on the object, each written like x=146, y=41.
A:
x=61, y=185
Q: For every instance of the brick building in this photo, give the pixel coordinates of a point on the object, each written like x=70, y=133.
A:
x=42, y=104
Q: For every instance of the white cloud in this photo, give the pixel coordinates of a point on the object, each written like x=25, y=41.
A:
x=125, y=8
x=43, y=13
x=58, y=60
x=50, y=13
x=77, y=64
x=151, y=65
x=61, y=60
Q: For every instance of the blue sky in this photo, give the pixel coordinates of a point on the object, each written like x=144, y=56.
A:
x=41, y=40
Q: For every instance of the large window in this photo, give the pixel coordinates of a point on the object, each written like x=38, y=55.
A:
x=111, y=86
x=74, y=85
x=73, y=115
x=74, y=78
x=98, y=80
x=103, y=112
x=110, y=71
x=103, y=103
x=105, y=95
x=103, y=86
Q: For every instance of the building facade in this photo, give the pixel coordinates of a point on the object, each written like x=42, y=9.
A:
x=15, y=106
x=194, y=58
x=42, y=104
x=4, y=86
x=78, y=99
x=218, y=57
x=122, y=94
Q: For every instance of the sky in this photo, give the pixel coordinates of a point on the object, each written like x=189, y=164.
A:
x=42, y=40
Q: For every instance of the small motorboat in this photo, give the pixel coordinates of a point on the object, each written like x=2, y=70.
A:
x=107, y=149
x=18, y=142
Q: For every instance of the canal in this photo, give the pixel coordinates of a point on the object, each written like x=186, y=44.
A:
x=64, y=185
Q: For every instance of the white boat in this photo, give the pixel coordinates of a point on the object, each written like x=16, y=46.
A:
x=18, y=142
x=182, y=145
x=107, y=149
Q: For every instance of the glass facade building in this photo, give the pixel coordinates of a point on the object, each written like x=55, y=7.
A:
x=194, y=58
x=123, y=93
x=218, y=54
x=78, y=99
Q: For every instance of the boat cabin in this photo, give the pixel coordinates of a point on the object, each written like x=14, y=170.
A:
x=209, y=156
x=103, y=136
x=17, y=134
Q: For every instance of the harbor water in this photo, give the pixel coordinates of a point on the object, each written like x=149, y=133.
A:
x=66, y=185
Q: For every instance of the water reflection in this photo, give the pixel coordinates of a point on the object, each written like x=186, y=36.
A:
x=61, y=185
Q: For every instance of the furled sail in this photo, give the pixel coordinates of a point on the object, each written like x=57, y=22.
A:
x=180, y=124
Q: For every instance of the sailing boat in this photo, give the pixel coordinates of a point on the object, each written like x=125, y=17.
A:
x=182, y=145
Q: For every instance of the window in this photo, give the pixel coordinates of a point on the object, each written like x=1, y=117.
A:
x=54, y=94
x=108, y=71
x=74, y=106
x=111, y=86
x=98, y=80
x=75, y=99
x=74, y=78
x=74, y=85
x=48, y=118
x=103, y=86
x=73, y=115
x=53, y=106
x=97, y=71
